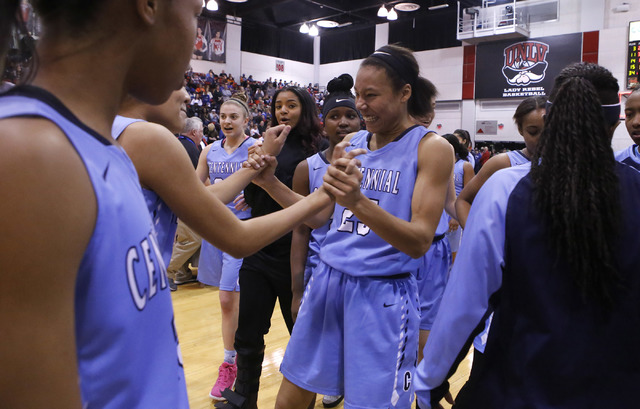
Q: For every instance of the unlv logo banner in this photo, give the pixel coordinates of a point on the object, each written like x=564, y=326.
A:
x=518, y=69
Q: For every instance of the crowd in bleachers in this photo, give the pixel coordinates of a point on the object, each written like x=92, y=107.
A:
x=208, y=91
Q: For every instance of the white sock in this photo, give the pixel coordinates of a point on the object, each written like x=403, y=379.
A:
x=230, y=356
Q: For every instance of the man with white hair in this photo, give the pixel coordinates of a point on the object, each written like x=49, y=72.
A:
x=186, y=246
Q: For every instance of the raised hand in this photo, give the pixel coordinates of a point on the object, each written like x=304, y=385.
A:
x=343, y=177
x=274, y=139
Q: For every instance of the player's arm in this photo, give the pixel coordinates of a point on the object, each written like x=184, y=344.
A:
x=49, y=212
x=435, y=164
x=228, y=189
x=190, y=200
x=470, y=190
x=202, y=170
x=450, y=200
x=299, y=241
x=281, y=192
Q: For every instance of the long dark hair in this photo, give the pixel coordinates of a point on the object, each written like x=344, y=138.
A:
x=460, y=150
x=308, y=127
x=576, y=187
x=422, y=90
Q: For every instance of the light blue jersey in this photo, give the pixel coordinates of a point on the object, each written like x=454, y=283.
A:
x=127, y=346
x=222, y=164
x=517, y=158
x=215, y=267
x=389, y=176
x=165, y=221
x=458, y=175
x=629, y=156
x=317, y=165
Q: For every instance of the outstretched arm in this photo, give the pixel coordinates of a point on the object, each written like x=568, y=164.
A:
x=228, y=189
x=188, y=198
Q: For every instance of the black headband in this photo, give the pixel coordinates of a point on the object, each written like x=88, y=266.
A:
x=338, y=100
x=611, y=112
x=397, y=65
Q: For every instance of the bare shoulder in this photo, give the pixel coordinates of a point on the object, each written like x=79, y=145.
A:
x=52, y=198
x=145, y=133
x=436, y=146
x=495, y=163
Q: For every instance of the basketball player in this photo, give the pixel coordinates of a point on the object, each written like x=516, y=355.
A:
x=357, y=328
x=218, y=162
x=81, y=206
x=79, y=232
x=557, y=264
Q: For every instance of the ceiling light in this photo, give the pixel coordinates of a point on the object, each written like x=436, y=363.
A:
x=439, y=6
x=313, y=31
x=392, y=15
x=408, y=7
x=327, y=23
x=304, y=28
x=204, y=3
x=212, y=5
x=383, y=12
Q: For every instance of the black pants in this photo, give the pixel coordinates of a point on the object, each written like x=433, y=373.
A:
x=263, y=280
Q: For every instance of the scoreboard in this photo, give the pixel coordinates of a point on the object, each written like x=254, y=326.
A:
x=633, y=56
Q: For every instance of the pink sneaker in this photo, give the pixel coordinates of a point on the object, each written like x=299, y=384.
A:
x=226, y=379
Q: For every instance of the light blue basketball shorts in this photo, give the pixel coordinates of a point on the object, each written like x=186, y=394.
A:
x=218, y=269
x=357, y=337
x=432, y=280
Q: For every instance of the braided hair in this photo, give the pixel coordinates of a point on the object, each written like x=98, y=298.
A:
x=579, y=201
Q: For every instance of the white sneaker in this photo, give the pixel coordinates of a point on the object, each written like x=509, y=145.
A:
x=329, y=401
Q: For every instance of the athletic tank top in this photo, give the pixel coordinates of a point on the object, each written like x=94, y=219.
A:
x=629, y=156
x=317, y=165
x=389, y=176
x=127, y=348
x=165, y=222
x=458, y=175
x=517, y=158
x=222, y=165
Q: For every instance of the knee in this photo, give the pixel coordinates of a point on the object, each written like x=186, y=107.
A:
x=228, y=301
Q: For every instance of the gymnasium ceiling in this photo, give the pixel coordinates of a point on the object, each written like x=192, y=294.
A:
x=290, y=14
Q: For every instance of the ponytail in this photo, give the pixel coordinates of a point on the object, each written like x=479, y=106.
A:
x=575, y=184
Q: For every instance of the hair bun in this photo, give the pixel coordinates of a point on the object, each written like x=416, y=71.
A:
x=343, y=83
x=240, y=96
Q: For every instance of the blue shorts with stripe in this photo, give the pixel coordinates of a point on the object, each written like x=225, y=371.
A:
x=357, y=337
x=432, y=280
x=218, y=269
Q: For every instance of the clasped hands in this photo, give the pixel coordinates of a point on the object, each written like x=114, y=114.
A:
x=341, y=181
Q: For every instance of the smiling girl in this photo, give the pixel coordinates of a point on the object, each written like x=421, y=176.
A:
x=357, y=329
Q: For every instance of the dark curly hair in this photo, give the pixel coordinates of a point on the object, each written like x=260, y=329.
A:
x=575, y=184
x=308, y=127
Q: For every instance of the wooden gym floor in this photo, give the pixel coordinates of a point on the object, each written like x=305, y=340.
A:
x=197, y=314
